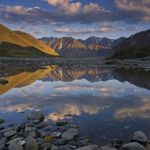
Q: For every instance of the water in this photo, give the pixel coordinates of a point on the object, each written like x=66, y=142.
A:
x=104, y=103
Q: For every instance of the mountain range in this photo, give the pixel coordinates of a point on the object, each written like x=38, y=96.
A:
x=70, y=47
x=17, y=43
x=137, y=45
x=21, y=44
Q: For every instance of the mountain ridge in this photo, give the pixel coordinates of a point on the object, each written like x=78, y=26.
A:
x=15, y=44
x=135, y=46
x=69, y=46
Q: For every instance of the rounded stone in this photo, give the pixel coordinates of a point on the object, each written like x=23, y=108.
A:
x=133, y=146
x=138, y=136
x=31, y=143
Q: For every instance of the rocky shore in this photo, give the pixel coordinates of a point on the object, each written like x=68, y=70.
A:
x=138, y=63
x=38, y=134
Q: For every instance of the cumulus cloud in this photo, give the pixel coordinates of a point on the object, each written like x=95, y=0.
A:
x=139, y=8
x=72, y=8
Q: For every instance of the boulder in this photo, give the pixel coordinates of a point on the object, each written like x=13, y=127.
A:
x=133, y=146
x=138, y=136
x=35, y=115
x=70, y=134
x=31, y=143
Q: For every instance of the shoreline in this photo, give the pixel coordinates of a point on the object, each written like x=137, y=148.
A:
x=138, y=63
x=38, y=134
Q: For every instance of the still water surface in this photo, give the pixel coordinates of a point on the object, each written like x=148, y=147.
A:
x=104, y=103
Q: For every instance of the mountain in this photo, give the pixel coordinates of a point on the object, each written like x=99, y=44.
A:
x=22, y=44
x=105, y=42
x=135, y=46
x=48, y=39
x=37, y=43
x=70, y=47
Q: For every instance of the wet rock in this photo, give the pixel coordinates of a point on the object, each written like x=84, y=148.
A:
x=9, y=133
x=133, y=146
x=31, y=143
x=139, y=136
x=89, y=147
x=35, y=115
x=70, y=134
x=56, y=134
x=15, y=146
x=1, y=121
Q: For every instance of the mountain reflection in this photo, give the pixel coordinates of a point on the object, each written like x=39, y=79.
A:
x=76, y=91
x=24, y=78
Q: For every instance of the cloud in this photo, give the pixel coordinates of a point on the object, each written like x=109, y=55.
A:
x=71, y=31
x=138, y=8
x=61, y=12
x=72, y=8
x=64, y=12
x=18, y=9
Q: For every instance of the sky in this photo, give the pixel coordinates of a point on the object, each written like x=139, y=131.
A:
x=76, y=18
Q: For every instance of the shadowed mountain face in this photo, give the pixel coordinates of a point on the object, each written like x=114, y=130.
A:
x=135, y=46
x=22, y=44
x=70, y=47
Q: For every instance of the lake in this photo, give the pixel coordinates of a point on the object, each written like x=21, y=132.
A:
x=104, y=103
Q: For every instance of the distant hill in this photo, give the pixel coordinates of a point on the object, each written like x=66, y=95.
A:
x=20, y=44
x=70, y=47
x=135, y=46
